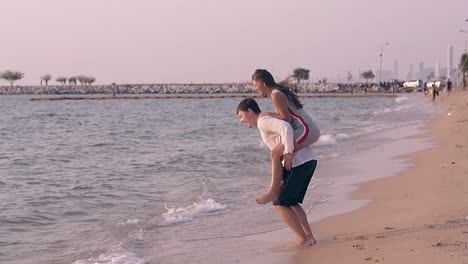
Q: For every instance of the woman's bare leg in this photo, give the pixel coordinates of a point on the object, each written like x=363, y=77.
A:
x=276, y=176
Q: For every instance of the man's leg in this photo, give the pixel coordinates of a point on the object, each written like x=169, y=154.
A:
x=301, y=215
x=291, y=219
x=276, y=176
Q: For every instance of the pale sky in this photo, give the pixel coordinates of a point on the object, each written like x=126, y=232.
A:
x=213, y=41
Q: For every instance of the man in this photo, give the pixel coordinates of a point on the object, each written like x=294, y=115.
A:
x=299, y=168
x=449, y=87
x=435, y=91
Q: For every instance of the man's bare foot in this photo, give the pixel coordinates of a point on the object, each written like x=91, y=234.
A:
x=312, y=240
x=301, y=244
x=266, y=198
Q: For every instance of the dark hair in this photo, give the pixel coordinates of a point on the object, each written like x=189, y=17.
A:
x=267, y=78
x=248, y=103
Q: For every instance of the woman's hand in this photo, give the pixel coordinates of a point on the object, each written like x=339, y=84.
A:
x=297, y=146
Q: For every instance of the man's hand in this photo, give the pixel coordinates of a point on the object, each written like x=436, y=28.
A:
x=288, y=160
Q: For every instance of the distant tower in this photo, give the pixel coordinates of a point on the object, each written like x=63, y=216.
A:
x=437, y=70
x=421, y=70
x=395, y=69
x=450, y=62
x=410, y=73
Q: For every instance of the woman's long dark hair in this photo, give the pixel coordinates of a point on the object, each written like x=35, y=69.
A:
x=267, y=78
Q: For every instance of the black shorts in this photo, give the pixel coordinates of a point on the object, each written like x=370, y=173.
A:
x=295, y=183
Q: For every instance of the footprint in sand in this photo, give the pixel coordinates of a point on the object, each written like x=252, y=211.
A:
x=360, y=246
x=375, y=259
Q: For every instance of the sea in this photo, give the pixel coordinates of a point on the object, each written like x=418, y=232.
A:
x=175, y=180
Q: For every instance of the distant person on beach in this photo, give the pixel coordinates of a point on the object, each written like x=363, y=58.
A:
x=288, y=108
x=449, y=87
x=435, y=91
x=298, y=169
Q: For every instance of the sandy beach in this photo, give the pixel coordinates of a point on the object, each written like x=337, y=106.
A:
x=419, y=216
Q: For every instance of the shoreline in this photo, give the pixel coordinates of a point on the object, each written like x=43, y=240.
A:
x=218, y=96
x=417, y=216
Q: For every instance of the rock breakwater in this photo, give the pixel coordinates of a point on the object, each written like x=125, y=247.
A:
x=227, y=88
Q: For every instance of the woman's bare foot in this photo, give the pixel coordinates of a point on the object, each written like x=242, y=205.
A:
x=266, y=198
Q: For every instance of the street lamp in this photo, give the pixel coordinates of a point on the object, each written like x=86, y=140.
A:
x=381, y=55
x=464, y=31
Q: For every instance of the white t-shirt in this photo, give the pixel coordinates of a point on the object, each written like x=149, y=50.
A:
x=275, y=131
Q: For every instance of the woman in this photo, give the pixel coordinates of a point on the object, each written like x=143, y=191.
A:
x=289, y=108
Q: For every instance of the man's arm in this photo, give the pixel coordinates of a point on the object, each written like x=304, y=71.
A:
x=282, y=128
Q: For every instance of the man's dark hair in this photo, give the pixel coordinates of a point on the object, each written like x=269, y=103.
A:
x=247, y=103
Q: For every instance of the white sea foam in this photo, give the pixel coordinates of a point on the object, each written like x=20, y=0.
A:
x=326, y=140
x=329, y=139
x=186, y=214
x=113, y=258
x=375, y=128
x=131, y=221
x=342, y=136
x=320, y=182
x=400, y=100
x=330, y=155
x=398, y=108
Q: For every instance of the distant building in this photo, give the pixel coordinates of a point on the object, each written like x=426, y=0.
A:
x=395, y=69
x=410, y=75
x=422, y=73
x=437, y=70
x=450, y=72
x=387, y=75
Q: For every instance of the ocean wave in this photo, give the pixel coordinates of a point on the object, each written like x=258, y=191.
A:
x=330, y=155
x=376, y=128
x=319, y=182
x=113, y=258
x=323, y=198
x=329, y=139
x=131, y=221
x=186, y=214
x=400, y=100
x=391, y=110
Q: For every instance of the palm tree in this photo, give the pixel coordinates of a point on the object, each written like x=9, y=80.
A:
x=72, y=80
x=11, y=76
x=367, y=75
x=82, y=79
x=62, y=80
x=301, y=74
x=90, y=80
x=464, y=67
x=46, y=78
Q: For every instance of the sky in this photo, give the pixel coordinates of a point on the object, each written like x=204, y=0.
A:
x=220, y=41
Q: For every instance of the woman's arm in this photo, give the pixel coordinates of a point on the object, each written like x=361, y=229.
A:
x=282, y=111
